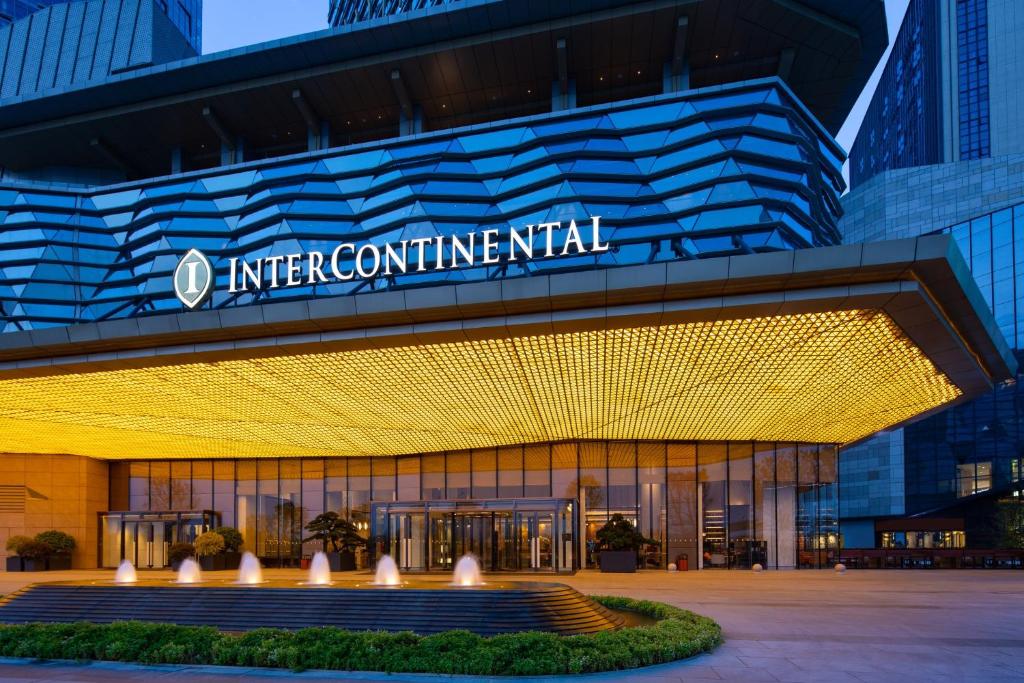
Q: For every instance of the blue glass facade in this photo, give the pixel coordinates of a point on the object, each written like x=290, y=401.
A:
x=187, y=15
x=731, y=170
x=903, y=124
x=350, y=11
x=978, y=446
x=972, y=77
x=938, y=465
x=11, y=10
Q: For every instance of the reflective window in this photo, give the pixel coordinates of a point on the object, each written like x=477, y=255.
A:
x=972, y=77
x=973, y=478
x=711, y=505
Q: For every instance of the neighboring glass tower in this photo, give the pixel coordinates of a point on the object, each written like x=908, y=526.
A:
x=941, y=150
x=350, y=11
x=11, y=10
x=187, y=15
x=933, y=103
x=903, y=124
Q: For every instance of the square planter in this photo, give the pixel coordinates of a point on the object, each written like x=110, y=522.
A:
x=212, y=563
x=59, y=562
x=14, y=564
x=342, y=562
x=33, y=565
x=232, y=560
x=617, y=561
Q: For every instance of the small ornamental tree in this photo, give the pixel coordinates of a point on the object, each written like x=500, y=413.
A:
x=232, y=538
x=179, y=552
x=330, y=528
x=60, y=542
x=209, y=544
x=620, y=534
x=14, y=544
x=35, y=550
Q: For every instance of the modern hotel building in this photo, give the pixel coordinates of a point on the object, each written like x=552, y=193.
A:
x=475, y=274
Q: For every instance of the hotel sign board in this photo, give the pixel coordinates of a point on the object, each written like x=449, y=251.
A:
x=194, y=276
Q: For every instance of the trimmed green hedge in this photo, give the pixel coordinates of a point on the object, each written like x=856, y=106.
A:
x=677, y=634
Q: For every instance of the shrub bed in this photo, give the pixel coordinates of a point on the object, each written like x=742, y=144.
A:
x=676, y=634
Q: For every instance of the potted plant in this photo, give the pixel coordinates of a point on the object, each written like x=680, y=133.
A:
x=342, y=537
x=14, y=561
x=33, y=555
x=210, y=549
x=618, y=545
x=178, y=553
x=61, y=544
x=232, y=546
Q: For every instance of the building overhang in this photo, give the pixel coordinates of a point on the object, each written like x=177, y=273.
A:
x=465, y=63
x=816, y=345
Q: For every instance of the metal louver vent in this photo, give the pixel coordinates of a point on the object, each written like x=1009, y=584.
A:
x=12, y=498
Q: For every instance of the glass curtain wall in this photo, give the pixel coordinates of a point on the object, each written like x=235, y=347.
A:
x=706, y=505
x=978, y=445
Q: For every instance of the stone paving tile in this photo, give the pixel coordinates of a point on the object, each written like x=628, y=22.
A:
x=777, y=666
x=743, y=674
x=802, y=676
x=697, y=673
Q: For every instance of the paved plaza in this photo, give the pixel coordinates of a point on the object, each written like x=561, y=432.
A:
x=794, y=626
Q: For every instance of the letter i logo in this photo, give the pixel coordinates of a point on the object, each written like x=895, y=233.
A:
x=193, y=279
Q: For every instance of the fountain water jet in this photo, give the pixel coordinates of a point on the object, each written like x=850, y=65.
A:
x=125, y=573
x=319, y=571
x=249, y=570
x=387, y=573
x=189, y=572
x=467, y=572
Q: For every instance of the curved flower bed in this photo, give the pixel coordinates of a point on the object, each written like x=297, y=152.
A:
x=676, y=634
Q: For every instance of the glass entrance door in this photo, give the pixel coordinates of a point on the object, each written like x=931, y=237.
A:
x=153, y=540
x=145, y=538
x=473, y=534
x=407, y=541
x=440, y=542
x=506, y=556
x=536, y=547
x=505, y=535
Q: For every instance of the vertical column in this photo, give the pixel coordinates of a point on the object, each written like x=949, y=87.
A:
x=410, y=117
x=176, y=160
x=231, y=147
x=676, y=73
x=318, y=130
x=563, y=91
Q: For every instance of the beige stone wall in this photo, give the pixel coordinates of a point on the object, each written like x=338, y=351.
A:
x=62, y=492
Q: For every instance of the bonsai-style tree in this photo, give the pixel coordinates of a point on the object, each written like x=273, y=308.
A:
x=179, y=552
x=14, y=544
x=209, y=544
x=59, y=542
x=620, y=534
x=232, y=538
x=35, y=550
x=331, y=528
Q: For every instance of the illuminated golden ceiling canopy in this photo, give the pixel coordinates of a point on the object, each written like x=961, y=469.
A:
x=816, y=377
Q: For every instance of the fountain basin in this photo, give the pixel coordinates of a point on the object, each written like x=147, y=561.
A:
x=421, y=607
